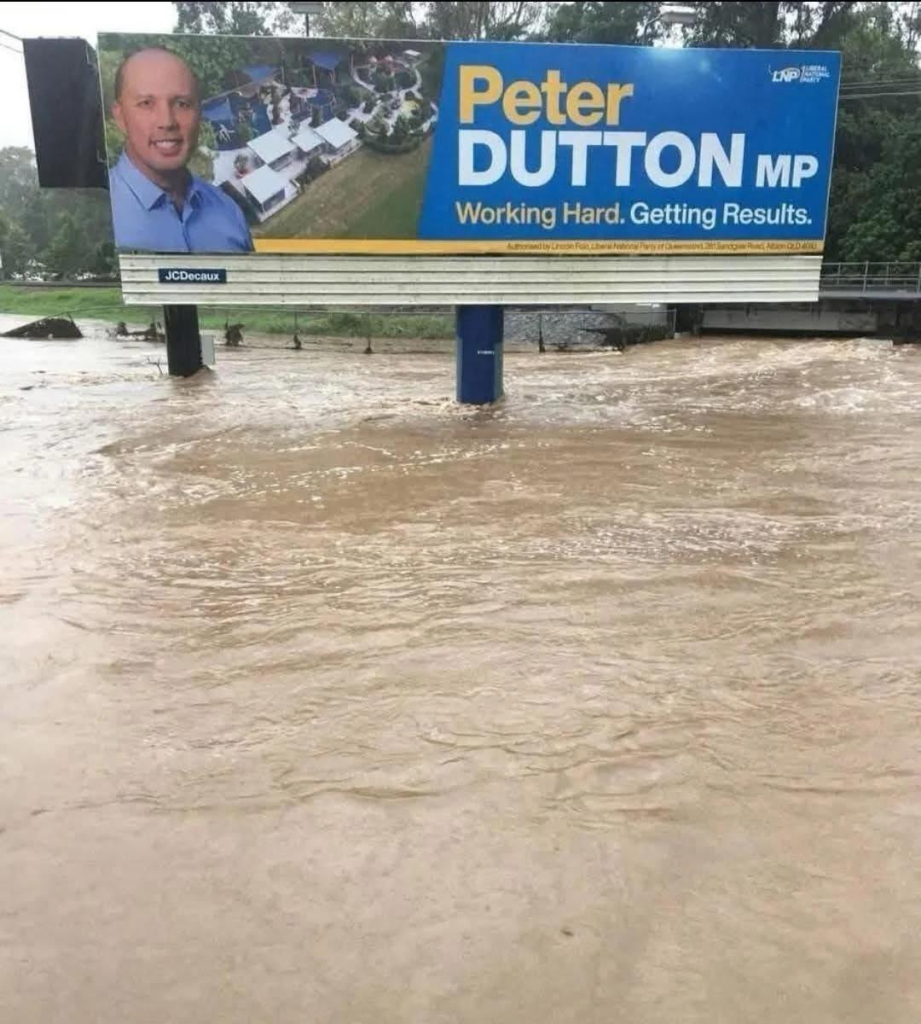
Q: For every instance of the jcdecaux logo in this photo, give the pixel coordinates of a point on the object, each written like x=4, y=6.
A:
x=182, y=275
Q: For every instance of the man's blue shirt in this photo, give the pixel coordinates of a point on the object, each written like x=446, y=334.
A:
x=145, y=217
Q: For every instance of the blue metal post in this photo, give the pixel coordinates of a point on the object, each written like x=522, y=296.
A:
x=479, y=354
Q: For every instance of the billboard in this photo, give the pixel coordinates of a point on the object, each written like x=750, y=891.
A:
x=221, y=144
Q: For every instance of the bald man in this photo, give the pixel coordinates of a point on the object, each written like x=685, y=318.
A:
x=157, y=204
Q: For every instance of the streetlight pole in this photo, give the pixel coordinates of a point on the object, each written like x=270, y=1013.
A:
x=306, y=9
x=670, y=15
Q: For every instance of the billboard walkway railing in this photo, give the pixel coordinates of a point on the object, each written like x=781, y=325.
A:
x=891, y=280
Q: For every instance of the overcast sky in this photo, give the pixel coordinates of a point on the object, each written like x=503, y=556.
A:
x=83, y=20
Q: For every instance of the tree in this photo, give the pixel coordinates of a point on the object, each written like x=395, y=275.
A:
x=67, y=254
x=604, y=23
x=31, y=219
x=885, y=203
x=234, y=19
x=367, y=21
x=202, y=163
x=18, y=181
x=400, y=129
x=14, y=247
x=481, y=20
x=210, y=58
x=104, y=262
x=876, y=189
x=774, y=24
x=243, y=131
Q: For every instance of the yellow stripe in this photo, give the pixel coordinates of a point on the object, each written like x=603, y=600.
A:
x=407, y=247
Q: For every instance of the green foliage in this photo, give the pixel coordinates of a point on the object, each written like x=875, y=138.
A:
x=405, y=79
x=393, y=145
x=210, y=58
x=345, y=322
x=315, y=167
x=17, y=177
x=480, y=20
x=244, y=132
x=104, y=261
x=106, y=304
x=206, y=137
x=885, y=201
x=604, y=23
x=876, y=184
x=367, y=21
x=114, y=141
x=378, y=124
x=351, y=95
x=202, y=162
x=68, y=252
x=401, y=129
x=241, y=19
x=773, y=24
x=61, y=230
x=432, y=68
x=15, y=248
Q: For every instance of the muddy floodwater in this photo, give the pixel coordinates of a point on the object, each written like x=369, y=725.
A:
x=324, y=700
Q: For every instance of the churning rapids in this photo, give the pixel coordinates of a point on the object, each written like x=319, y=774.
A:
x=323, y=699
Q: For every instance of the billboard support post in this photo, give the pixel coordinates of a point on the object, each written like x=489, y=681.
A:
x=183, y=340
x=479, y=331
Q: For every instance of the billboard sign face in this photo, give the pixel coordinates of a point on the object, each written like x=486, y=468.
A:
x=249, y=144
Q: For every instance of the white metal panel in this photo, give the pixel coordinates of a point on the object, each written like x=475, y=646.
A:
x=207, y=350
x=264, y=183
x=272, y=146
x=337, y=133
x=307, y=139
x=315, y=280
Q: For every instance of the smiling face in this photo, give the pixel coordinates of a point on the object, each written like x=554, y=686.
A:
x=158, y=110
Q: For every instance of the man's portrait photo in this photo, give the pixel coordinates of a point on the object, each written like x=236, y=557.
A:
x=158, y=204
x=244, y=144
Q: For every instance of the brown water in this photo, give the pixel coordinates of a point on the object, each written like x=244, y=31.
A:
x=323, y=699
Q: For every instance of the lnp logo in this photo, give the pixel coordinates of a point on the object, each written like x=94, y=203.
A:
x=807, y=74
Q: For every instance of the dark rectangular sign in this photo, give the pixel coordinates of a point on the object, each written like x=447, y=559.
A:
x=179, y=275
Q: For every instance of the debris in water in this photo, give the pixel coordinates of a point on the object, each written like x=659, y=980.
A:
x=48, y=327
x=153, y=331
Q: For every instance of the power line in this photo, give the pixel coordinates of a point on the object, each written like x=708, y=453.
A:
x=3, y=32
x=12, y=49
x=851, y=86
x=872, y=95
